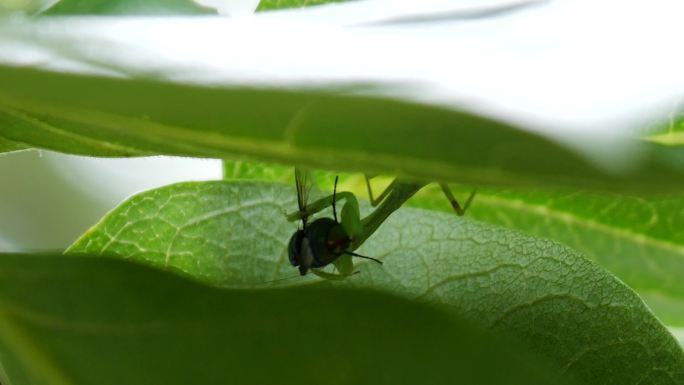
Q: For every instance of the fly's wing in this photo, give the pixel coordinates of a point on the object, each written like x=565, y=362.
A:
x=303, y=182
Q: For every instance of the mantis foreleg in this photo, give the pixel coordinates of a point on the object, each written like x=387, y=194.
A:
x=320, y=205
x=376, y=201
x=351, y=217
x=454, y=203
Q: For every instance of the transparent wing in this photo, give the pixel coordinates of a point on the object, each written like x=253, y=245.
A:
x=303, y=181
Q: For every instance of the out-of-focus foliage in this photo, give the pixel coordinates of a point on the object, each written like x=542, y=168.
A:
x=128, y=7
x=500, y=279
x=86, y=321
x=114, y=117
x=277, y=4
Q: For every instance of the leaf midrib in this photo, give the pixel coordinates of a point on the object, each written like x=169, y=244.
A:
x=212, y=144
x=20, y=115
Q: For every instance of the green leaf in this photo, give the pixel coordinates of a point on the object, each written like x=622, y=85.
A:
x=44, y=131
x=559, y=304
x=242, y=169
x=116, y=117
x=278, y=4
x=127, y=7
x=678, y=333
x=102, y=321
x=8, y=7
x=636, y=238
x=639, y=239
x=672, y=132
x=8, y=145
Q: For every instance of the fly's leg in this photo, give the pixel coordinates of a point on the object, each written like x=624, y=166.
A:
x=376, y=201
x=454, y=203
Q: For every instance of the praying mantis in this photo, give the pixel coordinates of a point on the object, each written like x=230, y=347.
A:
x=333, y=241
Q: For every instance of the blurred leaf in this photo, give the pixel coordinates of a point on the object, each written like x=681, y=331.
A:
x=672, y=133
x=8, y=145
x=561, y=305
x=263, y=87
x=42, y=130
x=110, y=117
x=277, y=4
x=26, y=7
x=678, y=333
x=127, y=7
x=674, y=138
x=244, y=169
x=102, y=321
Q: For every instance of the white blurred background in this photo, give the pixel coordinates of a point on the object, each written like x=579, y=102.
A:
x=226, y=7
x=48, y=199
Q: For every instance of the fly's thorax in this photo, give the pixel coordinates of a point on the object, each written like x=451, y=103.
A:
x=328, y=240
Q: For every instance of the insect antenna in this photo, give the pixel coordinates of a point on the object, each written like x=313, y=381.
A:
x=277, y=280
x=362, y=256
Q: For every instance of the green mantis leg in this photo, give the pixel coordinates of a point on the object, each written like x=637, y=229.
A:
x=344, y=265
x=454, y=203
x=350, y=220
x=376, y=201
x=351, y=217
x=350, y=214
x=320, y=205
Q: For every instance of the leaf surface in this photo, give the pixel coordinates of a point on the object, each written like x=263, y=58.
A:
x=639, y=239
x=8, y=145
x=563, y=307
x=672, y=132
x=103, y=321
